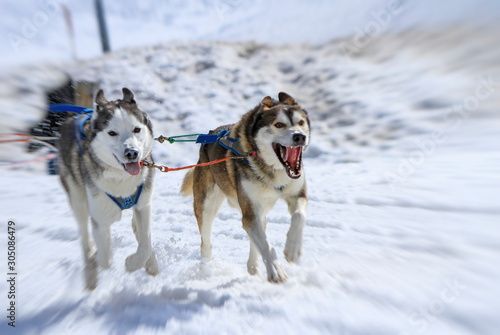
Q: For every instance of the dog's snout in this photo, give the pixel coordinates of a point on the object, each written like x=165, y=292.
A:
x=131, y=154
x=299, y=139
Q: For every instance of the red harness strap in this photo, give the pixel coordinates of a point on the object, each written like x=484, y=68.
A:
x=164, y=168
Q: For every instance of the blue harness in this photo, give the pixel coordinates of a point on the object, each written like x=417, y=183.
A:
x=78, y=132
x=223, y=139
x=85, y=115
x=127, y=202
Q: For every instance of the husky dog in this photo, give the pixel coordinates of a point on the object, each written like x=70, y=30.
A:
x=277, y=132
x=100, y=168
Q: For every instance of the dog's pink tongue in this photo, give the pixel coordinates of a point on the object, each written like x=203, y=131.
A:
x=133, y=168
x=293, y=156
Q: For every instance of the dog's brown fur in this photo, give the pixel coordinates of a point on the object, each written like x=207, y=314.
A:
x=255, y=186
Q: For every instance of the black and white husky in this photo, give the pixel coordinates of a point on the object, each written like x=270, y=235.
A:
x=100, y=166
x=278, y=132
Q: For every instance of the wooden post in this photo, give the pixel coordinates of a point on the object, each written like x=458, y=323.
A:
x=68, y=19
x=85, y=93
x=103, y=30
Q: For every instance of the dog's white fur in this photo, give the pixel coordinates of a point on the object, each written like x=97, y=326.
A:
x=88, y=176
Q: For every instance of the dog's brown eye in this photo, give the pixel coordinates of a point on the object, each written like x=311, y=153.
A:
x=112, y=133
x=279, y=125
x=301, y=123
x=137, y=130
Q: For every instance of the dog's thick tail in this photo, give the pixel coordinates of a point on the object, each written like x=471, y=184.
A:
x=188, y=183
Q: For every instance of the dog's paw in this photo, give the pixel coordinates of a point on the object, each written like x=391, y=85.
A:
x=253, y=268
x=134, y=262
x=276, y=274
x=152, y=265
x=292, y=251
x=253, y=263
x=103, y=260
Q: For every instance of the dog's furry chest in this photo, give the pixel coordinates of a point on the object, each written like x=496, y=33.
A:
x=272, y=179
x=118, y=187
x=110, y=180
x=273, y=186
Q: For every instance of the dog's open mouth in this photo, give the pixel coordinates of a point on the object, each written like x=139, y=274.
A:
x=133, y=168
x=291, y=158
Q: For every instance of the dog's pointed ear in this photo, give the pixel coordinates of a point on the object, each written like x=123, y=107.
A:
x=100, y=100
x=268, y=102
x=286, y=99
x=148, y=123
x=128, y=96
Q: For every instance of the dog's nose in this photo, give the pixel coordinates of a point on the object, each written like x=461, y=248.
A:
x=299, y=139
x=131, y=154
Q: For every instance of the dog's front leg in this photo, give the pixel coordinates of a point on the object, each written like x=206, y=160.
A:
x=253, y=260
x=100, y=231
x=144, y=256
x=293, y=245
x=79, y=205
x=254, y=227
x=103, y=213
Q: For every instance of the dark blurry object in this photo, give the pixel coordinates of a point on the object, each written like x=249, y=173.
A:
x=52, y=165
x=50, y=125
x=103, y=30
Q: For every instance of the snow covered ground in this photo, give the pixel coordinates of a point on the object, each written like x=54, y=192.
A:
x=402, y=234
x=36, y=30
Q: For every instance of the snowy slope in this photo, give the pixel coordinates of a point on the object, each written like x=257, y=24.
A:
x=403, y=177
x=35, y=30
